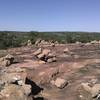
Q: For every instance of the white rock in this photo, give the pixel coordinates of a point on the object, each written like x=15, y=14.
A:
x=20, y=82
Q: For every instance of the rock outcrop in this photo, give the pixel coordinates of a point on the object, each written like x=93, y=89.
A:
x=45, y=55
x=12, y=84
x=94, y=42
x=7, y=60
x=41, y=42
x=94, y=90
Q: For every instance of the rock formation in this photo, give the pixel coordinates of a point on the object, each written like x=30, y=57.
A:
x=45, y=55
x=12, y=84
x=7, y=60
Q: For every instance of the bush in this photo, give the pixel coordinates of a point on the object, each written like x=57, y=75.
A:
x=15, y=39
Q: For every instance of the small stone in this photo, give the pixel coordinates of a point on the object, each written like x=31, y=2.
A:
x=51, y=59
x=77, y=42
x=93, y=81
x=80, y=96
x=87, y=44
x=41, y=62
x=20, y=82
x=29, y=43
x=76, y=56
x=6, y=63
x=60, y=83
x=66, y=50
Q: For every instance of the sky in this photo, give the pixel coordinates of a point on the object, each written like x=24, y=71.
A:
x=50, y=15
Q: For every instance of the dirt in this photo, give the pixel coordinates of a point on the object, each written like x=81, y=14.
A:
x=75, y=70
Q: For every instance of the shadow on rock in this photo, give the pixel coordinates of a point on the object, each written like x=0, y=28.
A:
x=39, y=98
x=35, y=88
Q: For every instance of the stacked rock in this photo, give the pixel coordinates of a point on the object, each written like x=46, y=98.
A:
x=45, y=55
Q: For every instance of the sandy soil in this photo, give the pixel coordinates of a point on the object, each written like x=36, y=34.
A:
x=83, y=68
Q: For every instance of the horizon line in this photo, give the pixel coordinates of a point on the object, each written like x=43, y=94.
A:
x=48, y=31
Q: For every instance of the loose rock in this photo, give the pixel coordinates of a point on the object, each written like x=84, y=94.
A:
x=60, y=83
x=7, y=60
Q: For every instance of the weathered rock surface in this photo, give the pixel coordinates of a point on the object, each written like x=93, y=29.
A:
x=94, y=90
x=60, y=83
x=45, y=55
x=7, y=60
x=66, y=50
x=12, y=84
x=75, y=71
x=38, y=41
x=14, y=92
x=38, y=52
x=94, y=42
x=41, y=42
x=29, y=43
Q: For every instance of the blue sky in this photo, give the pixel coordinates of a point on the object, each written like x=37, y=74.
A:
x=50, y=15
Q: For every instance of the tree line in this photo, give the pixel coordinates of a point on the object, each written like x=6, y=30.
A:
x=10, y=39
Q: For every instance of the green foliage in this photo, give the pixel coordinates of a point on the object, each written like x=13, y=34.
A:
x=15, y=39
